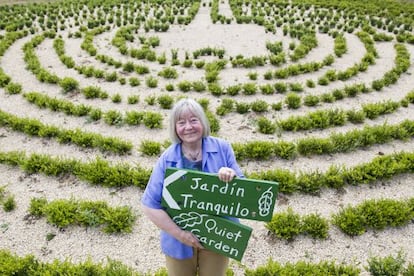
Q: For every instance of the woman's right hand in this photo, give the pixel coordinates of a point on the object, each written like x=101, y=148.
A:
x=160, y=218
x=189, y=239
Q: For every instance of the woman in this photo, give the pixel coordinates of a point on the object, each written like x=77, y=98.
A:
x=192, y=148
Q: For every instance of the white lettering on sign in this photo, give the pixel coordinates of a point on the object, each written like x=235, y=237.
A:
x=212, y=228
x=233, y=209
x=225, y=189
x=219, y=245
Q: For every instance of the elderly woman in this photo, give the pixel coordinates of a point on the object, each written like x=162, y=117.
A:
x=192, y=148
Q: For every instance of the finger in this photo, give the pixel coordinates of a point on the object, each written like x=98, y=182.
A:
x=229, y=176
x=222, y=176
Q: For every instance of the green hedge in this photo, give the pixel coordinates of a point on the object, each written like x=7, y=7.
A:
x=65, y=212
x=381, y=167
x=335, y=143
x=97, y=172
x=78, y=137
x=374, y=214
x=101, y=172
x=353, y=220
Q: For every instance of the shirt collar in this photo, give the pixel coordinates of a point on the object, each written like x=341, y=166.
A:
x=207, y=147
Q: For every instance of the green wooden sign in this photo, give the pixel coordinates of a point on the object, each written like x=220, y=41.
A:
x=217, y=234
x=205, y=193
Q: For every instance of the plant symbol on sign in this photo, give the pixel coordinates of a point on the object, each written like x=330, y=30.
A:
x=265, y=202
x=189, y=219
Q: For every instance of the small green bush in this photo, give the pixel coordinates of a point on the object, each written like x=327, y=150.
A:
x=119, y=219
x=92, y=92
x=4, y=79
x=9, y=204
x=212, y=76
x=323, y=80
x=116, y=98
x=199, y=64
x=259, y=150
x=184, y=86
x=285, y=225
x=150, y=100
x=69, y=85
x=113, y=117
x=296, y=87
x=128, y=67
x=165, y=101
x=356, y=116
x=242, y=108
x=266, y=126
x=226, y=106
x=293, y=100
x=267, y=89
x=349, y=222
x=285, y=150
x=233, y=90
x=61, y=212
x=134, y=81
x=168, y=73
x=310, y=83
x=198, y=86
x=259, y=106
x=169, y=87
x=150, y=148
x=315, y=226
x=410, y=97
x=310, y=182
x=151, y=82
x=327, y=98
x=111, y=77
x=133, y=99
x=95, y=114
x=134, y=118
x=280, y=87
x=37, y=206
x=252, y=75
x=277, y=106
x=215, y=89
x=310, y=100
x=338, y=94
x=13, y=88
x=389, y=265
x=311, y=146
x=249, y=88
x=152, y=119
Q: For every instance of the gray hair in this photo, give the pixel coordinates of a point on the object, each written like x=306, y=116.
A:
x=194, y=107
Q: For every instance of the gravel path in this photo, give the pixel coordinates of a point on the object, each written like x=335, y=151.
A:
x=140, y=249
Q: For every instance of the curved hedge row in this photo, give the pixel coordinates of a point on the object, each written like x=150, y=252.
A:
x=101, y=172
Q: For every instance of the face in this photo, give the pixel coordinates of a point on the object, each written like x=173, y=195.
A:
x=189, y=128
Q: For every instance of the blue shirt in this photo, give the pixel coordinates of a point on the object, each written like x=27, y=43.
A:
x=217, y=153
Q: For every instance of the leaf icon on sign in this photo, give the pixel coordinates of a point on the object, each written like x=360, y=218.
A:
x=188, y=219
x=265, y=202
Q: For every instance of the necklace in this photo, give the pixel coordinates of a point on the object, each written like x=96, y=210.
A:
x=193, y=156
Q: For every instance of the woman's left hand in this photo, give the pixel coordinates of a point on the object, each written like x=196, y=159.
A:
x=226, y=174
